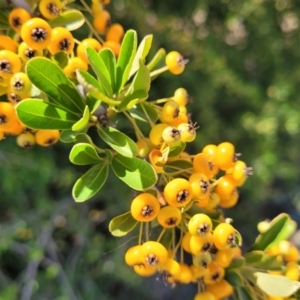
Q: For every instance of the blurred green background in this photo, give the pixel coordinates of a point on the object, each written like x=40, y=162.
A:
x=243, y=76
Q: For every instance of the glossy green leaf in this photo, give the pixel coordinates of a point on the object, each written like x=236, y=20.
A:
x=38, y=114
x=234, y=278
x=84, y=154
x=141, y=80
x=90, y=183
x=136, y=173
x=83, y=122
x=109, y=60
x=68, y=136
x=274, y=234
x=122, y=224
x=82, y=137
x=244, y=293
x=88, y=81
x=175, y=150
x=157, y=60
x=61, y=59
x=276, y=285
x=100, y=70
x=254, y=256
x=141, y=53
x=92, y=103
x=118, y=141
x=71, y=19
x=125, y=59
x=144, y=112
x=129, y=101
x=50, y=79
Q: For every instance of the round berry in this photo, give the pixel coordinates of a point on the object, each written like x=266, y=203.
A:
x=8, y=115
x=26, y=140
x=178, y=192
x=36, y=33
x=201, y=244
x=170, y=111
x=26, y=53
x=75, y=63
x=144, y=270
x=187, y=132
x=200, y=224
x=115, y=33
x=61, y=40
x=50, y=8
x=145, y=207
x=46, y=138
x=87, y=43
x=175, y=62
x=215, y=273
x=17, y=17
x=102, y=21
x=20, y=84
x=225, y=156
x=205, y=296
x=155, y=134
x=201, y=188
x=224, y=236
x=7, y=43
x=169, y=217
x=181, y=96
x=153, y=253
x=133, y=256
x=203, y=164
x=10, y=63
x=171, y=135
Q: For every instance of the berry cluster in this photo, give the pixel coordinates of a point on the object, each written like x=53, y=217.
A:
x=179, y=196
x=34, y=37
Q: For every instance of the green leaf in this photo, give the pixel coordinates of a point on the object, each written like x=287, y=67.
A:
x=71, y=19
x=122, y=224
x=144, y=112
x=88, y=81
x=275, y=233
x=83, y=122
x=254, y=256
x=234, y=278
x=61, y=59
x=118, y=141
x=92, y=103
x=82, y=137
x=276, y=285
x=90, y=183
x=38, y=114
x=109, y=60
x=158, y=59
x=244, y=293
x=176, y=150
x=84, y=154
x=268, y=263
x=100, y=70
x=141, y=80
x=141, y=53
x=125, y=59
x=236, y=263
x=129, y=101
x=68, y=136
x=136, y=173
x=177, y=165
x=50, y=79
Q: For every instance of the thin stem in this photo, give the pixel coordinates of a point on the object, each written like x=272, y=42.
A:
x=137, y=130
x=159, y=71
x=88, y=9
x=158, y=101
x=147, y=229
x=141, y=233
x=161, y=234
